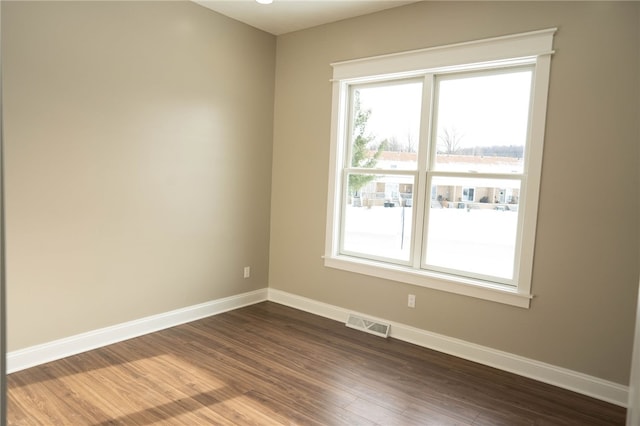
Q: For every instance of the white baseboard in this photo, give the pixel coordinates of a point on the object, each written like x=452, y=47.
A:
x=540, y=371
x=51, y=351
x=547, y=373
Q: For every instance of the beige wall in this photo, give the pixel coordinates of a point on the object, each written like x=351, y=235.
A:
x=586, y=261
x=633, y=410
x=138, y=160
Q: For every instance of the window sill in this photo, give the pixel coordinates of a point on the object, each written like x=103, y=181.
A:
x=451, y=284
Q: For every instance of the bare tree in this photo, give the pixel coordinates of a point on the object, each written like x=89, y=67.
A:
x=411, y=143
x=393, y=144
x=450, y=140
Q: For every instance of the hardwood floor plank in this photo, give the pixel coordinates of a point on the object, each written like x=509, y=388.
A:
x=268, y=364
x=67, y=407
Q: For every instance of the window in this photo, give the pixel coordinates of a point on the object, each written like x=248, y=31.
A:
x=468, y=194
x=435, y=165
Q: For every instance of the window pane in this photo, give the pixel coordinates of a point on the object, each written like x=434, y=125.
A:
x=386, y=125
x=473, y=225
x=482, y=121
x=378, y=218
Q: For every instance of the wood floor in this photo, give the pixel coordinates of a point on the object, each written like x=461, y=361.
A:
x=269, y=365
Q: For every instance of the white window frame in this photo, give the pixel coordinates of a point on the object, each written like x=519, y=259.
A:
x=533, y=48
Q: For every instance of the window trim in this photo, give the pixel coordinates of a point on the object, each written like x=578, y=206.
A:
x=526, y=48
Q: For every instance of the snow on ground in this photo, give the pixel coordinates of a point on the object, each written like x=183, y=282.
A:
x=479, y=241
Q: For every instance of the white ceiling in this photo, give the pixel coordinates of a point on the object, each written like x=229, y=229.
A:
x=284, y=16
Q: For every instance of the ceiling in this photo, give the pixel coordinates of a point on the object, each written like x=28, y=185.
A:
x=284, y=16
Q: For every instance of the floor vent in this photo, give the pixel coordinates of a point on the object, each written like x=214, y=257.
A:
x=369, y=326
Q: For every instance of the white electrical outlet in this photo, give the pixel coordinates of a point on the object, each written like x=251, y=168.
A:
x=411, y=302
x=247, y=271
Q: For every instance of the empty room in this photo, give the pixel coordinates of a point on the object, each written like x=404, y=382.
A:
x=320, y=212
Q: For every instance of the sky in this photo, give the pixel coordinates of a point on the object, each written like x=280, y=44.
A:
x=486, y=109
